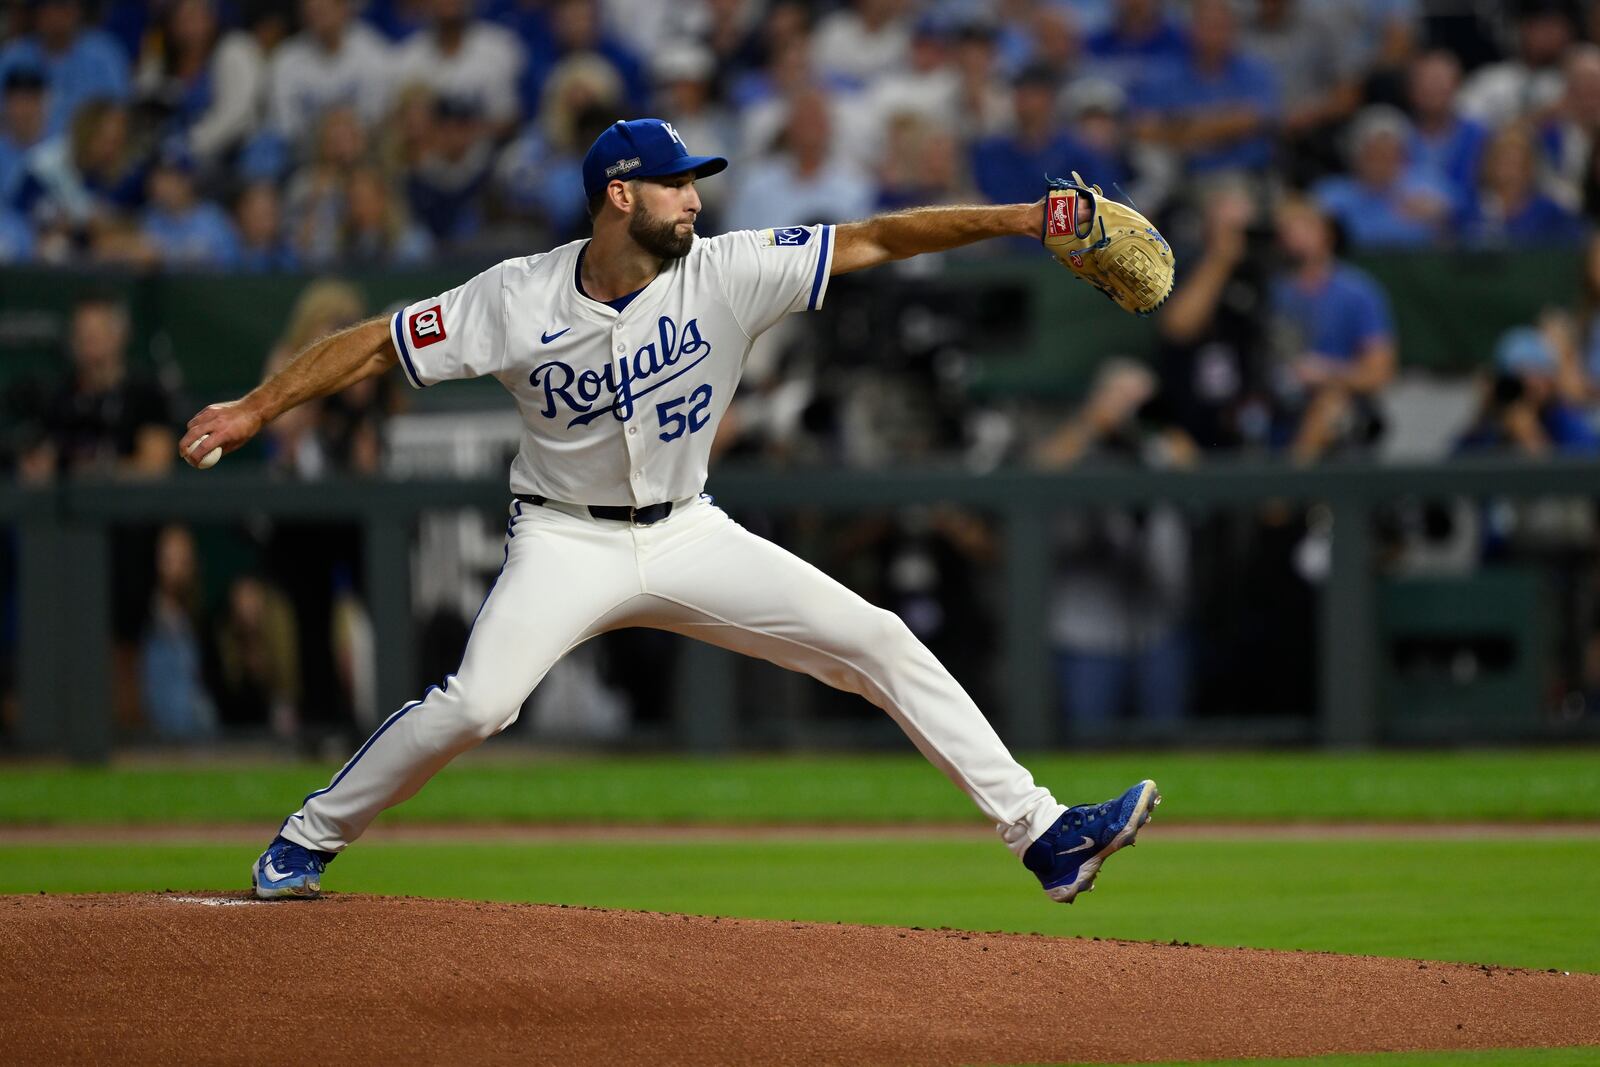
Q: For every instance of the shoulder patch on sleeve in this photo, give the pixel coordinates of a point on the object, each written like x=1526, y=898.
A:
x=426, y=327
x=788, y=237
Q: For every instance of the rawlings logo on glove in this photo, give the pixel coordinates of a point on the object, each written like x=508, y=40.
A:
x=1063, y=215
x=1109, y=245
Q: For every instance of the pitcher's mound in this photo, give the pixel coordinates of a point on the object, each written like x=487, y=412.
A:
x=183, y=978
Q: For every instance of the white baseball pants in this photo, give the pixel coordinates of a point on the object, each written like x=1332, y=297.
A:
x=568, y=577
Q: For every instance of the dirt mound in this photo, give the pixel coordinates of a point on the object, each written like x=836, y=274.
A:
x=175, y=978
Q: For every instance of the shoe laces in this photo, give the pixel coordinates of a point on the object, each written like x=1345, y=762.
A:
x=1078, y=818
x=295, y=856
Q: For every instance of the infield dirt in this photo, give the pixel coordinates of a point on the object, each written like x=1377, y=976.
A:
x=203, y=977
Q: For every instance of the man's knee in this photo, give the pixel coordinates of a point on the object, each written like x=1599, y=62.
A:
x=880, y=636
x=892, y=632
x=483, y=710
x=488, y=721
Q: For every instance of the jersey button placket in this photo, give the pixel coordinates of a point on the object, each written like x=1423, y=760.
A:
x=634, y=461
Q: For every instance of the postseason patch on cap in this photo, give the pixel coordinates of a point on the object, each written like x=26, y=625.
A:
x=622, y=166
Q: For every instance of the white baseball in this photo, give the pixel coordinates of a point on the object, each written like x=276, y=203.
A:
x=210, y=458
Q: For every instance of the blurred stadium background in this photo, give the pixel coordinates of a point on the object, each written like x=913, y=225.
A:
x=1339, y=494
x=1340, y=490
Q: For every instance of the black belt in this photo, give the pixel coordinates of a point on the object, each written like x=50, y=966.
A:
x=619, y=512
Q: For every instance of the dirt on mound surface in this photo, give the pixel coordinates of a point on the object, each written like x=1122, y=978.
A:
x=175, y=978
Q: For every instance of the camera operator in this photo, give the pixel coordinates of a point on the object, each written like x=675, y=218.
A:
x=1522, y=408
x=1213, y=385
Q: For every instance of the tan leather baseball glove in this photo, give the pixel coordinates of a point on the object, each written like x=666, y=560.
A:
x=1109, y=245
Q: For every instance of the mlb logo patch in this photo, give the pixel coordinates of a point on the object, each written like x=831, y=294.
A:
x=427, y=327
x=1063, y=218
x=793, y=236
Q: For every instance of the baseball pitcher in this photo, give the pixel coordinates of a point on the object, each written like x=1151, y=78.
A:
x=622, y=352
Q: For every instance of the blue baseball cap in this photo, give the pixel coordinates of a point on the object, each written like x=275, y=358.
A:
x=642, y=148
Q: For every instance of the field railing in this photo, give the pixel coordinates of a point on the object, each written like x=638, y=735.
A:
x=64, y=537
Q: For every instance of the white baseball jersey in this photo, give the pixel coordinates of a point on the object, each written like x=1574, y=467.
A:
x=617, y=408
x=620, y=409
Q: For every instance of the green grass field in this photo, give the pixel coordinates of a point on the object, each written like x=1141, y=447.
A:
x=1503, y=897
x=1437, y=900
x=1556, y=785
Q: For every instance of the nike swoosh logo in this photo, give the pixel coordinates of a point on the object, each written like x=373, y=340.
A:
x=272, y=872
x=546, y=338
x=1088, y=842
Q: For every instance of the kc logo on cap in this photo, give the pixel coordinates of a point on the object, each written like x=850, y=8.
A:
x=642, y=148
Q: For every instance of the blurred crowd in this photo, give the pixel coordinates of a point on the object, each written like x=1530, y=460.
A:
x=1272, y=139
x=286, y=618
x=260, y=135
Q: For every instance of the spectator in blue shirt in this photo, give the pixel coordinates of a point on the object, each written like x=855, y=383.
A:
x=126, y=22
x=171, y=659
x=398, y=19
x=443, y=188
x=1217, y=106
x=263, y=245
x=1344, y=343
x=22, y=117
x=93, y=175
x=80, y=64
x=183, y=230
x=1008, y=169
x=540, y=174
x=922, y=165
x=1508, y=207
x=1054, y=40
x=1385, y=203
x=176, y=82
x=554, y=31
x=1139, y=41
x=1097, y=114
x=1445, y=144
x=805, y=179
x=376, y=231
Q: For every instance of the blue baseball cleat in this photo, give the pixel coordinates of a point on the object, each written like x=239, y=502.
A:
x=1067, y=856
x=287, y=870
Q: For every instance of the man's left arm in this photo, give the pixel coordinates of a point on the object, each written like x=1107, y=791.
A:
x=1374, y=368
x=1370, y=370
x=917, y=231
x=1377, y=359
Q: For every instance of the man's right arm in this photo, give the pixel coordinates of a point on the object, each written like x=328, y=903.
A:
x=324, y=367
